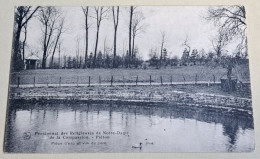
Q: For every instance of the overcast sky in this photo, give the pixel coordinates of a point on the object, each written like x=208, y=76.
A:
x=178, y=22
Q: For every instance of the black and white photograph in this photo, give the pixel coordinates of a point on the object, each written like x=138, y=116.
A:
x=129, y=79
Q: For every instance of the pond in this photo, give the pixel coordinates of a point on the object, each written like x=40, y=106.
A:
x=68, y=128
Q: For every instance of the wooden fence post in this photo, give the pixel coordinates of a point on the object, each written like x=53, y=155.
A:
x=150, y=80
x=171, y=80
x=111, y=80
x=60, y=82
x=99, y=80
x=124, y=80
x=196, y=79
x=34, y=81
x=18, y=82
x=214, y=79
x=161, y=81
x=136, y=79
x=47, y=81
x=184, y=79
x=77, y=81
x=89, y=81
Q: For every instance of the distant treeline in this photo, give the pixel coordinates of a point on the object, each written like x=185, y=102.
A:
x=105, y=60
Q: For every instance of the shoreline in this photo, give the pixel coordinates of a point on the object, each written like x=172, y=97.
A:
x=138, y=95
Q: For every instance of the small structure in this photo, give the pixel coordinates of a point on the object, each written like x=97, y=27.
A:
x=32, y=62
x=228, y=85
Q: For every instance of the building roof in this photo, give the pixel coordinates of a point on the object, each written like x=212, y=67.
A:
x=32, y=57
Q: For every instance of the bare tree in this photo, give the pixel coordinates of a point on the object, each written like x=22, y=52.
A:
x=162, y=45
x=86, y=13
x=220, y=42
x=131, y=12
x=100, y=15
x=48, y=17
x=137, y=28
x=130, y=30
x=115, y=20
x=186, y=53
x=77, y=50
x=231, y=18
x=186, y=43
x=60, y=30
x=22, y=16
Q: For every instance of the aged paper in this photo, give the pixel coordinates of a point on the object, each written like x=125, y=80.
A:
x=28, y=127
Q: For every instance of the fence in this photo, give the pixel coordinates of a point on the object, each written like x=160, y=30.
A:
x=108, y=81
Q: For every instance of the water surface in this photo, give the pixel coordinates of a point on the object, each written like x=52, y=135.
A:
x=171, y=129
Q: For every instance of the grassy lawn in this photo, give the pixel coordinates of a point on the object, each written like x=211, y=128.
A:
x=70, y=76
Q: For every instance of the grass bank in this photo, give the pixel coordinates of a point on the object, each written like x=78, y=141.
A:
x=180, y=95
x=81, y=76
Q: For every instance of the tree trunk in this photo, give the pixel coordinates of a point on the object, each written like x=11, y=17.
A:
x=114, y=59
x=115, y=34
x=130, y=32
x=54, y=49
x=229, y=73
x=24, y=41
x=133, y=47
x=86, y=49
x=59, y=55
x=96, y=45
x=161, y=54
x=44, y=48
x=17, y=61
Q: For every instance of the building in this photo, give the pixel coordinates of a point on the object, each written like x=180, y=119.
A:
x=32, y=62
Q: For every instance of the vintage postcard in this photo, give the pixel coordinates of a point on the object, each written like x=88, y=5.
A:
x=129, y=79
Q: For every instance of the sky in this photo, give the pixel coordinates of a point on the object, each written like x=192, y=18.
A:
x=178, y=23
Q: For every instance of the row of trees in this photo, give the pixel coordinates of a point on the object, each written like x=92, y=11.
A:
x=230, y=20
x=103, y=60
x=52, y=21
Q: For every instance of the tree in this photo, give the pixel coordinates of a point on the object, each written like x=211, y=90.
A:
x=131, y=12
x=165, y=54
x=185, y=57
x=220, y=42
x=99, y=59
x=231, y=21
x=162, y=45
x=115, y=20
x=130, y=31
x=77, y=51
x=22, y=16
x=90, y=58
x=174, y=61
x=48, y=17
x=194, y=55
x=86, y=14
x=186, y=52
x=24, y=41
x=65, y=61
x=59, y=54
x=154, y=60
x=60, y=30
x=137, y=28
x=186, y=43
x=100, y=15
x=202, y=56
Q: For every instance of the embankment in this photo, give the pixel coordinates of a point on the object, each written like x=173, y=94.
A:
x=199, y=96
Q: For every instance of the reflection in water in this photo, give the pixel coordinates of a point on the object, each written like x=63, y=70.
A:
x=172, y=128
